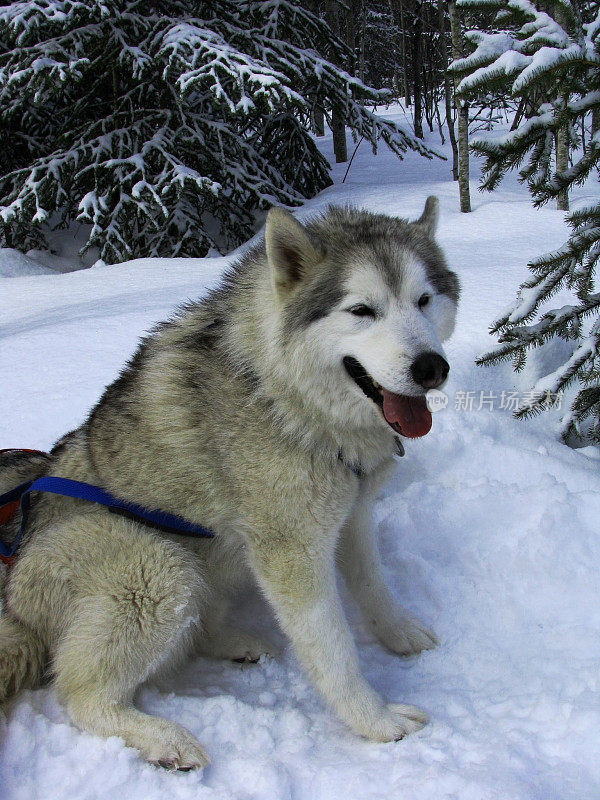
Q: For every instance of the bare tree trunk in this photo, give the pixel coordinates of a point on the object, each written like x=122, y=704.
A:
x=428, y=100
x=562, y=134
x=397, y=47
x=363, y=31
x=595, y=121
x=463, y=156
x=404, y=63
x=439, y=123
x=338, y=127
x=8, y=238
x=430, y=69
x=354, y=6
x=463, y=115
x=447, y=88
x=417, y=65
x=562, y=164
x=319, y=122
x=520, y=113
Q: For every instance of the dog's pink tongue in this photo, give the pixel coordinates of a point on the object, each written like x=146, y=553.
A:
x=409, y=414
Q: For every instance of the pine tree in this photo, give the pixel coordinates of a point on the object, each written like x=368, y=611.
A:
x=548, y=56
x=167, y=124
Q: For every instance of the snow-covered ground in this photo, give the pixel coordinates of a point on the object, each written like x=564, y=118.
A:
x=489, y=531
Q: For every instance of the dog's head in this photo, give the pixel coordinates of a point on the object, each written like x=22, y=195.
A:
x=365, y=302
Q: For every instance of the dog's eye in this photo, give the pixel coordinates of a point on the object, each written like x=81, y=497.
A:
x=424, y=300
x=362, y=310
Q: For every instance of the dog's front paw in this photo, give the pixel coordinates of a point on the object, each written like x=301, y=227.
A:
x=396, y=721
x=405, y=635
x=171, y=747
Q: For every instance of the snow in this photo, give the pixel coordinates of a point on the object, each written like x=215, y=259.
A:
x=489, y=531
x=14, y=264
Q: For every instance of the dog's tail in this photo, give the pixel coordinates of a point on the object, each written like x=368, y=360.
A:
x=22, y=657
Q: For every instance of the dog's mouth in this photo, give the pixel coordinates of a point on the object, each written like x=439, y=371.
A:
x=407, y=415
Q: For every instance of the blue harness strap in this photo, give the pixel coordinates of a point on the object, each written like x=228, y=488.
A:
x=85, y=491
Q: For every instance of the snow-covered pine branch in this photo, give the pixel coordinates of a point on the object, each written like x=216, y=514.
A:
x=166, y=126
x=547, y=55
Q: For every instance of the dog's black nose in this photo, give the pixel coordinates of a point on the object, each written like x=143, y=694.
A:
x=430, y=370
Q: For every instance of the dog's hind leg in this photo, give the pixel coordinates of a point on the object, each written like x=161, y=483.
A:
x=217, y=639
x=360, y=563
x=136, y=615
x=22, y=656
x=234, y=644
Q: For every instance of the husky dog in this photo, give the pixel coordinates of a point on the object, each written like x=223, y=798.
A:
x=269, y=413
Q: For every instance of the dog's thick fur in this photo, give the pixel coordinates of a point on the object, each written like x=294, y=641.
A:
x=239, y=415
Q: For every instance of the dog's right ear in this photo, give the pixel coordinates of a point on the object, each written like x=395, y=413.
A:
x=290, y=250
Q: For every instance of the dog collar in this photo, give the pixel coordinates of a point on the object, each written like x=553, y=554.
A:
x=356, y=467
x=353, y=466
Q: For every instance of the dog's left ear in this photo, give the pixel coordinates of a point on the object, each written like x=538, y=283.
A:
x=429, y=217
x=290, y=250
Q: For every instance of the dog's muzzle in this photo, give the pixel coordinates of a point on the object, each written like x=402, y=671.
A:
x=405, y=414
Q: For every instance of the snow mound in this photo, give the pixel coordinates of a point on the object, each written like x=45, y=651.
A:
x=14, y=264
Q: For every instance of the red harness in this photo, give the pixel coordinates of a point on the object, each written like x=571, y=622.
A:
x=9, y=510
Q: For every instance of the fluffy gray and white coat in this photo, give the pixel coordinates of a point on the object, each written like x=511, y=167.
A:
x=269, y=413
